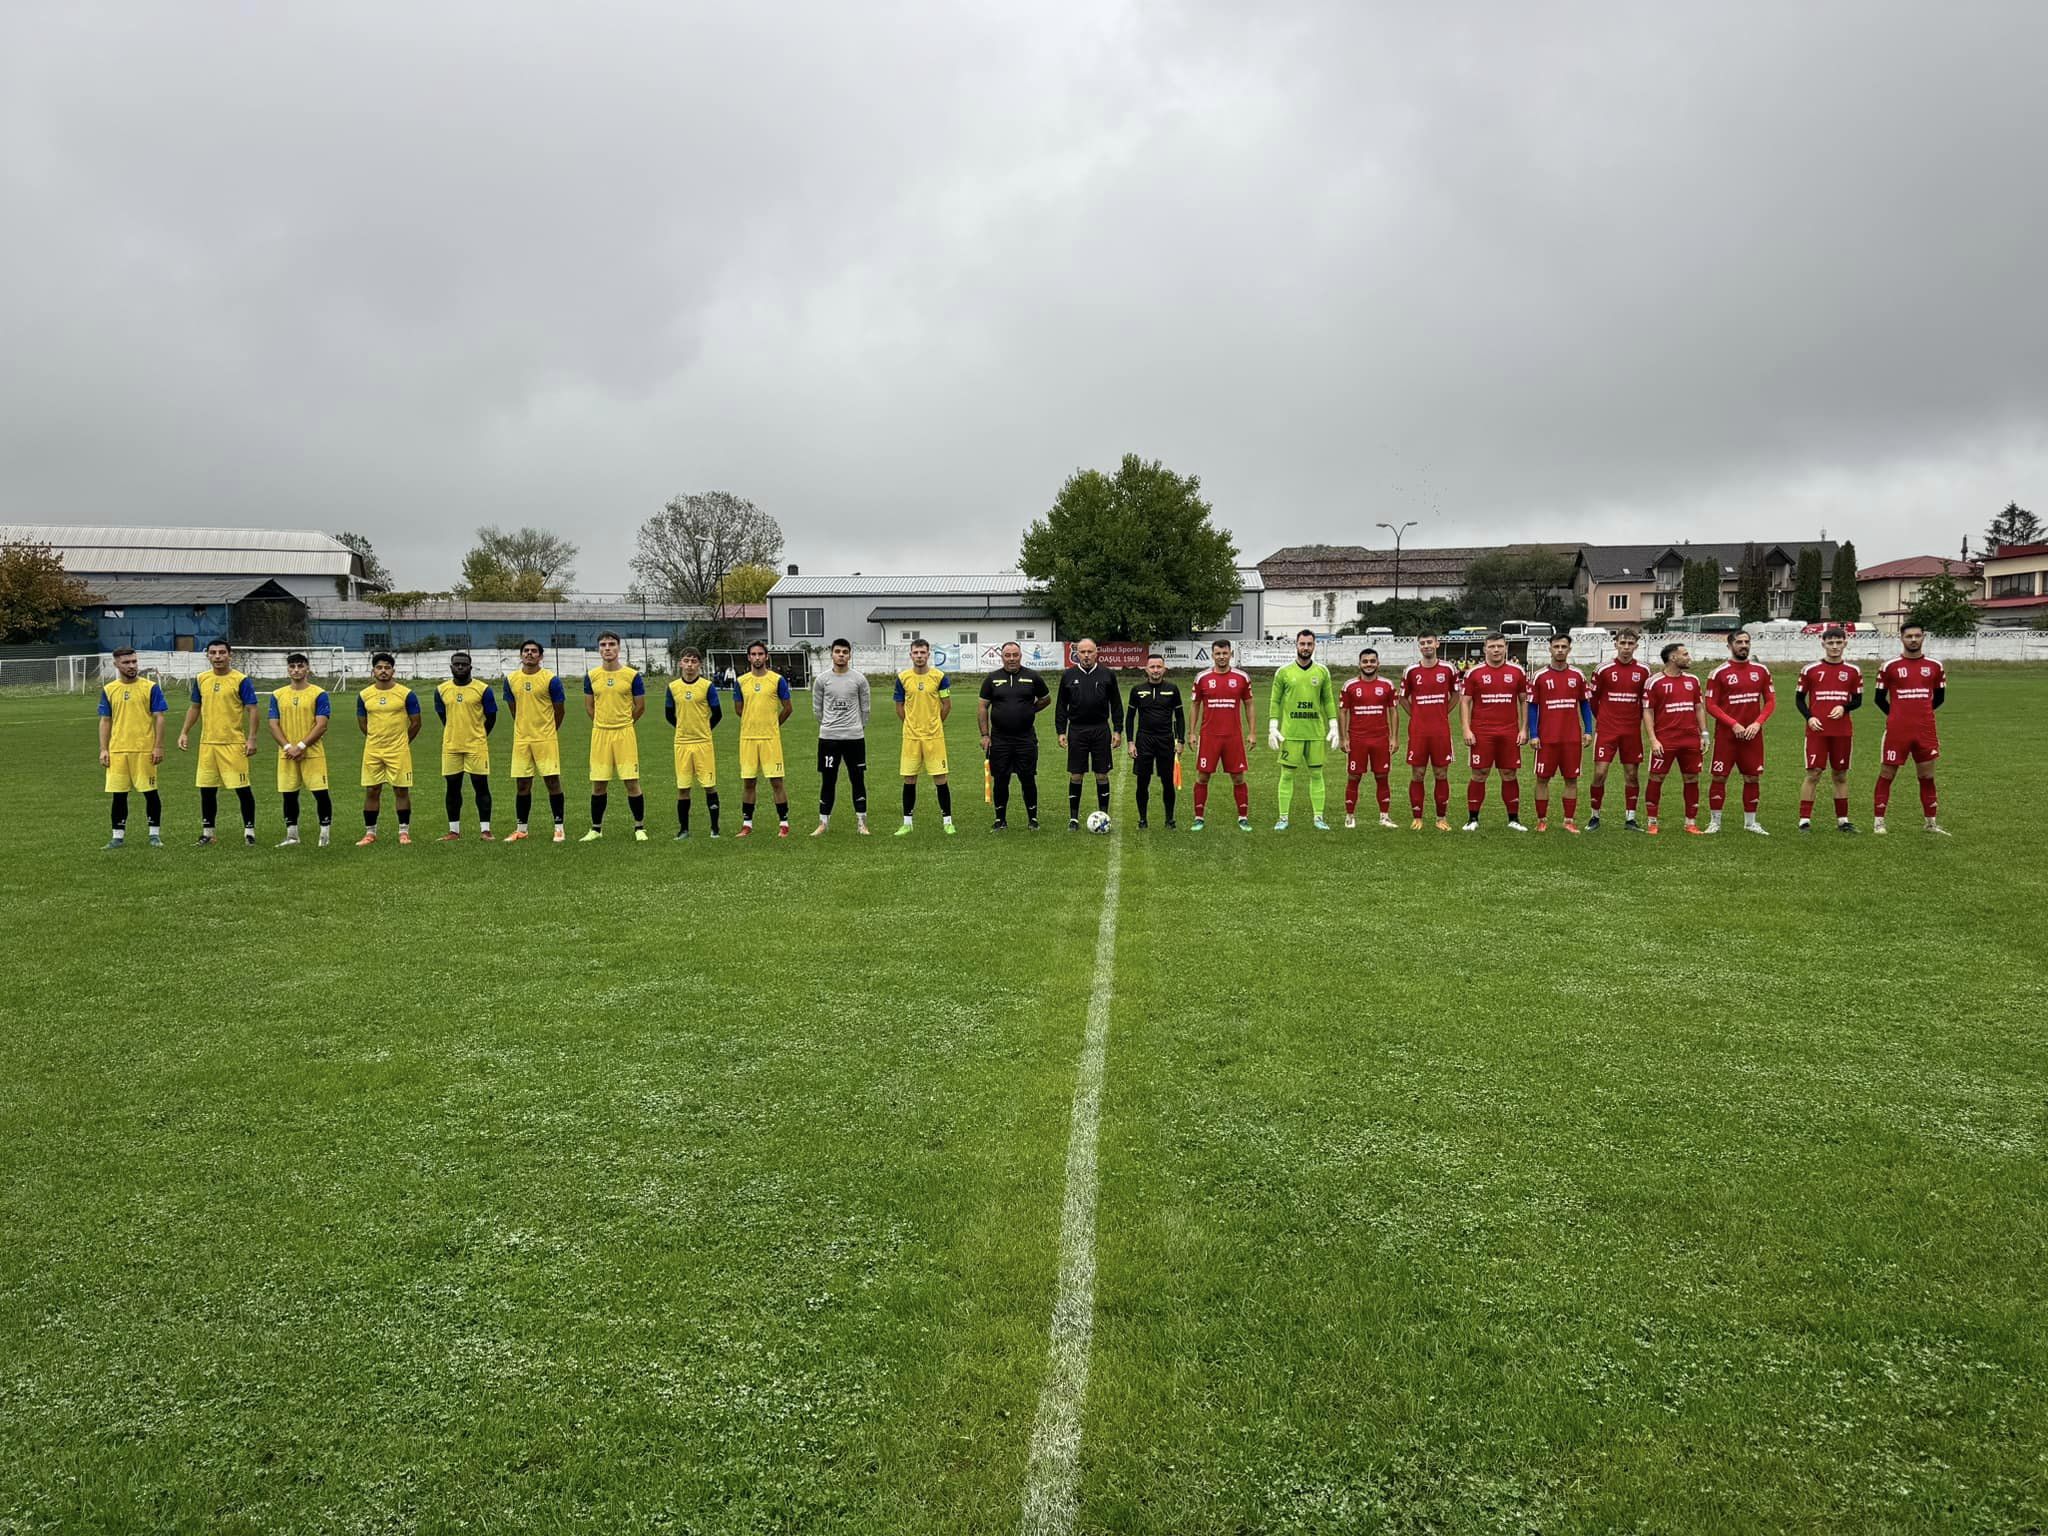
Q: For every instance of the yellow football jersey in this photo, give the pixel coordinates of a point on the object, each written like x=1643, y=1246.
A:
x=614, y=693
x=464, y=708
x=919, y=693
x=295, y=710
x=533, y=696
x=387, y=710
x=221, y=697
x=133, y=708
x=690, y=706
x=760, y=698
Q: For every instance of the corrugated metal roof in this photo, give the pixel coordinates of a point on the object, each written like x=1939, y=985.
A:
x=1002, y=611
x=998, y=584
x=1306, y=567
x=208, y=551
x=176, y=591
x=456, y=612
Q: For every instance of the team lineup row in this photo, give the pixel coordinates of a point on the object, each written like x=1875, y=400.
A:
x=1500, y=709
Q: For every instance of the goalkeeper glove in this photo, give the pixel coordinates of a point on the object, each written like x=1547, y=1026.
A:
x=1332, y=737
x=1273, y=735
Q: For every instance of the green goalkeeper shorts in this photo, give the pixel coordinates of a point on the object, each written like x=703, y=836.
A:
x=1301, y=754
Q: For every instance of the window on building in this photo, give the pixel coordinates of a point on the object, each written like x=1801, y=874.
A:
x=563, y=642
x=510, y=642
x=458, y=640
x=376, y=640
x=970, y=637
x=1617, y=602
x=2020, y=584
x=1233, y=621
x=1027, y=634
x=1315, y=608
x=1361, y=607
x=909, y=635
x=807, y=623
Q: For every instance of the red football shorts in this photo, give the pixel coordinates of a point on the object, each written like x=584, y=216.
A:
x=1496, y=750
x=1555, y=757
x=1920, y=746
x=1825, y=751
x=1429, y=746
x=1374, y=757
x=1732, y=756
x=1220, y=753
x=1685, y=754
x=1628, y=747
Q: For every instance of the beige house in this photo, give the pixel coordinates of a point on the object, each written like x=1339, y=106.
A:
x=1628, y=585
x=1890, y=588
x=2015, y=587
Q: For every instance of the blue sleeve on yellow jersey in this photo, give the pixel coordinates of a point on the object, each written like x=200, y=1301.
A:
x=107, y=708
x=195, y=690
x=782, y=689
x=248, y=691
x=508, y=691
x=362, y=709
x=945, y=686
x=639, y=686
x=900, y=694
x=669, y=709
x=412, y=703
x=711, y=699
x=157, y=702
x=555, y=692
x=320, y=708
x=440, y=707
x=490, y=711
x=586, y=684
x=273, y=707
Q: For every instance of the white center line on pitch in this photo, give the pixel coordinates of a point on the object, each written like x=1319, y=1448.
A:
x=1052, y=1483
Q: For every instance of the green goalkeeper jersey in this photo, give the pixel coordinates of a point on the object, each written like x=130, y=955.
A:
x=1304, y=701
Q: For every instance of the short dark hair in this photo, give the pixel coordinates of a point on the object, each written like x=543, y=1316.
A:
x=385, y=658
x=1665, y=654
x=123, y=650
x=1429, y=634
x=606, y=634
x=296, y=659
x=463, y=654
x=1742, y=633
x=219, y=641
x=1628, y=634
x=1154, y=656
x=1300, y=632
x=1834, y=632
x=535, y=644
x=690, y=653
x=1368, y=651
x=1213, y=644
x=758, y=645
x=920, y=640
x=1493, y=636
x=1912, y=624
x=838, y=643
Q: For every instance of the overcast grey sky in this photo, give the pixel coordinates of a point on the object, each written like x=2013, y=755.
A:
x=1607, y=272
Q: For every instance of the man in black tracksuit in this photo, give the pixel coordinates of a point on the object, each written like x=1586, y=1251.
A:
x=1157, y=729
x=1011, y=698
x=1088, y=718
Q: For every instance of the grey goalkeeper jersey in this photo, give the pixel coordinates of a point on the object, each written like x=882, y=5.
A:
x=841, y=704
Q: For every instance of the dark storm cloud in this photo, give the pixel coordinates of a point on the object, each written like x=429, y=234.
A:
x=1601, y=272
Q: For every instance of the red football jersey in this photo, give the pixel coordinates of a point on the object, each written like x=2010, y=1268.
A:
x=1909, y=690
x=1828, y=688
x=1368, y=701
x=1618, y=697
x=1740, y=692
x=1557, y=693
x=1428, y=690
x=1673, y=703
x=1221, y=694
x=1493, y=692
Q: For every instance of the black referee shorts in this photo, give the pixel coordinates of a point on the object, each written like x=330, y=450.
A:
x=1012, y=754
x=1088, y=749
x=1155, y=756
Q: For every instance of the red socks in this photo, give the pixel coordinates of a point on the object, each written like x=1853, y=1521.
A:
x=1244, y=799
x=1717, y=794
x=1201, y=798
x=1806, y=809
x=1752, y=792
x=1511, y=797
x=1350, y=796
x=1386, y=794
x=1692, y=801
x=1415, y=797
x=1475, y=796
x=1841, y=807
x=1881, y=797
x=1443, y=798
x=1927, y=797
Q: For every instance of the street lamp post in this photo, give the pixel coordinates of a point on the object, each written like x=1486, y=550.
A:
x=1397, y=532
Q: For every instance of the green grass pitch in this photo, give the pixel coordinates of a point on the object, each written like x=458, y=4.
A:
x=1448, y=1184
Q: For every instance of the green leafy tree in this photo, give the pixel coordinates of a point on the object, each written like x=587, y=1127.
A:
x=524, y=565
x=1132, y=555
x=1845, y=598
x=1521, y=584
x=748, y=583
x=2041, y=620
x=376, y=574
x=1944, y=607
x=1699, y=587
x=2015, y=525
x=1808, y=606
x=1406, y=616
x=36, y=593
x=1752, y=586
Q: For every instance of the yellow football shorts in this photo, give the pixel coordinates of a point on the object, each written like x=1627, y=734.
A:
x=130, y=770
x=308, y=772
x=223, y=767
x=392, y=768
x=476, y=760
x=696, y=765
x=760, y=757
x=923, y=752
x=614, y=754
x=536, y=759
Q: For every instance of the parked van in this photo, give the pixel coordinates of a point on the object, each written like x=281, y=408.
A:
x=1526, y=629
x=1710, y=623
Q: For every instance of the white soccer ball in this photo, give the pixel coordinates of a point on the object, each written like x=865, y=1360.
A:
x=1098, y=821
